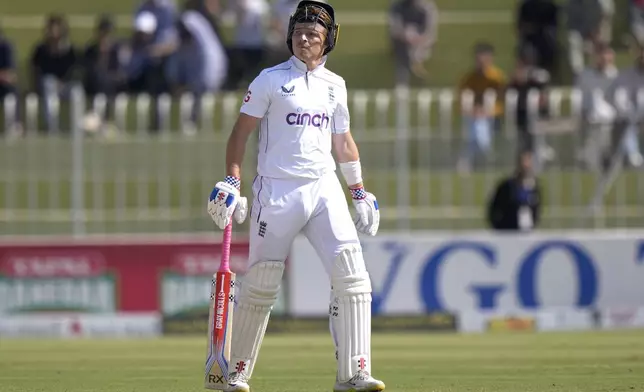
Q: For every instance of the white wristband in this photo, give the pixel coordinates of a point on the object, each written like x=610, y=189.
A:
x=352, y=172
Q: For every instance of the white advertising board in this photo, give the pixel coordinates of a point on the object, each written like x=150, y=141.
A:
x=622, y=318
x=80, y=326
x=419, y=273
x=551, y=319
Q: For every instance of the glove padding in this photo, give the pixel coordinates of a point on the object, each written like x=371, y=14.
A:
x=367, y=218
x=224, y=203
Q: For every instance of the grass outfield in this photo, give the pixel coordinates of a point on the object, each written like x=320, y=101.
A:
x=561, y=362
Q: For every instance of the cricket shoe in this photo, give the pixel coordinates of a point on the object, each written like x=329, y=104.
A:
x=237, y=382
x=360, y=382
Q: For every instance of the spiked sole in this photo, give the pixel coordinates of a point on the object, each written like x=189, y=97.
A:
x=377, y=388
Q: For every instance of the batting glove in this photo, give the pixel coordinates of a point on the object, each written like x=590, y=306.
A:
x=367, y=218
x=225, y=202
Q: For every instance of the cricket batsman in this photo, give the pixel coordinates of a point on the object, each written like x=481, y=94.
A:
x=301, y=110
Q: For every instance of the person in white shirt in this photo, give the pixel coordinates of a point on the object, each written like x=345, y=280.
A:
x=301, y=109
x=597, y=115
x=248, y=45
x=627, y=98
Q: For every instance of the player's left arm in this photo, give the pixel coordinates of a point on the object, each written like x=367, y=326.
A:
x=345, y=148
x=367, y=218
x=347, y=154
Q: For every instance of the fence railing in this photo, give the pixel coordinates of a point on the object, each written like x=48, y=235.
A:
x=109, y=169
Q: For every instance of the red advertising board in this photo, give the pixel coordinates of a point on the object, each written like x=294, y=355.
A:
x=111, y=274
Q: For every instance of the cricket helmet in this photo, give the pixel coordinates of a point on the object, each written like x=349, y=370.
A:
x=309, y=11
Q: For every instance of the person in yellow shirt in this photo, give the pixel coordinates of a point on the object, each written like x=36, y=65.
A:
x=481, y=115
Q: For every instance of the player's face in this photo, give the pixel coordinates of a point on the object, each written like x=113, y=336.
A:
x=525, y=164
x=54, y=31
x=309, y=41
x=484, y=59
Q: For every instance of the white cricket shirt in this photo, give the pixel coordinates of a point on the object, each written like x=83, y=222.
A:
x=299, y=111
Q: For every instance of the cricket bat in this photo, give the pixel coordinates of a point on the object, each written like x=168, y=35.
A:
x=220, y=319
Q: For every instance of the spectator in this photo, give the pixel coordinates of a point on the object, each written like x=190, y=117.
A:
x=597, y=115
x=588, y=25
x=139, y=62
x=100, y=60
x=196, y=66
x=8, y=84
x=636, y=15
x=413, y=28
x=161, y=41
x=102, y=70
x=537, y=25
x=528, y=77
x=481, y=120
x=210, y=10
x=185, y=72
x=212, y=47
x=629, y=110
x=516, y=202
x=248, y=49
x=165, y=39
x=53, y=64
x=145, y=72
x=200, y=14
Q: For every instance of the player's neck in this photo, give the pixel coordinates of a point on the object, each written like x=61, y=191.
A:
x=312, y=64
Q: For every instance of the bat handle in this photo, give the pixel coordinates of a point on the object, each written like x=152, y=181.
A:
x=225, y=248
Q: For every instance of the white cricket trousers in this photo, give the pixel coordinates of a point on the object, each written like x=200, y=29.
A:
x=283, y=208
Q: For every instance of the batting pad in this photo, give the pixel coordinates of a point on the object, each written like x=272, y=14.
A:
x=258, y=292
x=350, y=313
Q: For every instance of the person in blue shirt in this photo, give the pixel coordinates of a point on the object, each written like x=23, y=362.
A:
x=165, y=38
x=185, y=73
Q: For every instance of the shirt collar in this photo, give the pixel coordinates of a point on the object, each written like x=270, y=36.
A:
x=301, y=66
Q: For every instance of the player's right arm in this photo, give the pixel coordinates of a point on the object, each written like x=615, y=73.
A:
x=225, y=200
x=254, y=108
x=236, y=147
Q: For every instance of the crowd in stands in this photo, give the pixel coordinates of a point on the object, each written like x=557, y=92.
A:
x=180, y=49
x=540, y=60
x=609, y=125
x=171, y=49
x=176, y=49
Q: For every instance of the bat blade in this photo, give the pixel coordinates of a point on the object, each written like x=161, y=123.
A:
x=219, y=330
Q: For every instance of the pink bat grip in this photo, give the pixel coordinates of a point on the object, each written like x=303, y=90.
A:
x=225, y=249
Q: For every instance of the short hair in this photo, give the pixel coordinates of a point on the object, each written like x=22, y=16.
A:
x=105, y=22
x=59, y=20
x=56, y=19
x=483, y=48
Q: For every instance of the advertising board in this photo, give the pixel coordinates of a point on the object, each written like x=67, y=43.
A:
x=116, y=275
x=425, y=273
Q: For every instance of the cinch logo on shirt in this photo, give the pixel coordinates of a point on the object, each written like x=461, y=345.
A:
x=319, y=120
